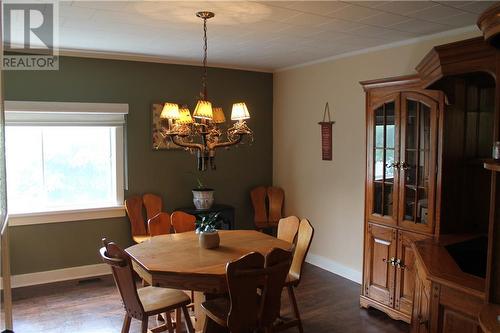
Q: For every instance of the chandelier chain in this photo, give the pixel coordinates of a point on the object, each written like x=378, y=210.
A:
x=205, y=47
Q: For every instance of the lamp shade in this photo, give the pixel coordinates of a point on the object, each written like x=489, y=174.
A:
x=218, y=116
x=239, y=112
x=170, y=111
x=185, y=117
x=203, y=110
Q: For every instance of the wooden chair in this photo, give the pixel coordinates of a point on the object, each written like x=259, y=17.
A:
x=276, y=196
x=258, y=196
x=277, y=266
x=159, y=224
x=183, y=222
x=287, y=228
x=304, y=239
x=246, y=311
x=153, y=204
x=133, y=207
x=145, y=302
x=267, y=216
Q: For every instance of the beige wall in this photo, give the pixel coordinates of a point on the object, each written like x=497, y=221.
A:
x=331, y=193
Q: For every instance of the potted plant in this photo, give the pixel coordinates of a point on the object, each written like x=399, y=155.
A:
x=203, y=197
x=207, y=231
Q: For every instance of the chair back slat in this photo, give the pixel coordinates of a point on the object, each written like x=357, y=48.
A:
x=159, y=224
x=287, y=228
x=277, y=265
x=244, y=276
x=133, y=207
x=183, y=222
x=258, y=196
x=153, y=204
x=276, y=196
x=121, y=266
x=304, y=239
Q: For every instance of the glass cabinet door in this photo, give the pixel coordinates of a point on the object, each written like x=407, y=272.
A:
x=417, y=168
x=383, y=176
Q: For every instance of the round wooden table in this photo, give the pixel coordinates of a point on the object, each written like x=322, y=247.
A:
x=177, y=261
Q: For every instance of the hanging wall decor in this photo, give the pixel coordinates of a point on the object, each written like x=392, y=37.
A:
x=326, y=135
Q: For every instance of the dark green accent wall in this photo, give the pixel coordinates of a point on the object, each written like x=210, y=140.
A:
x=59, y=245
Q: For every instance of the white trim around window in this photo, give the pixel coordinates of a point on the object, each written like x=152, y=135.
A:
x=66, y=216
x=28, y=113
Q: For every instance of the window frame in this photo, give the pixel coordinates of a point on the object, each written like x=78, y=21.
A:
x=112, y=113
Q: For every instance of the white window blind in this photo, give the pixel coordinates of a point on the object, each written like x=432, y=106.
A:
x=20, y=113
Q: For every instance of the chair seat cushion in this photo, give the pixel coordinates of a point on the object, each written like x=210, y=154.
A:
x=154, y=299
x=217, y=309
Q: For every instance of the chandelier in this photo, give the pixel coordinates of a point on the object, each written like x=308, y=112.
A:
x=204, y=134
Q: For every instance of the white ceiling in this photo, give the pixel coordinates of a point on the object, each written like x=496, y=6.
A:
x=265, y=35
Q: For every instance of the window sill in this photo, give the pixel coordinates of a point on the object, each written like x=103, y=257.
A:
x=66, y=216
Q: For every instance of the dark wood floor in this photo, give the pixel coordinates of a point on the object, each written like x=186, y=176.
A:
x=328, y=304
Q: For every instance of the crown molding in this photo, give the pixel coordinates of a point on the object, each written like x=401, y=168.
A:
x=447, y=33
x=109, y=55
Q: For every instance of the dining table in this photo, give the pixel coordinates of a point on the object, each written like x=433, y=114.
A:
x=177, y=261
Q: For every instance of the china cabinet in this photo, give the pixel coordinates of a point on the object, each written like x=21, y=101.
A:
x=427, y=192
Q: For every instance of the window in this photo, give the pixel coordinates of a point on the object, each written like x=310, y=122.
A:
x=64, y=158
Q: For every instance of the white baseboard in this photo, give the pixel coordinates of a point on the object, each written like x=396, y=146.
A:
x=64, y=274
x=81, y=272
x=334, y=267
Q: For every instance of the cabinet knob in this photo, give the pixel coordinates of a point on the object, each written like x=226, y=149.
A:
x=404, y=166
x=400, y=264
x=391, y=261
x=394, y=165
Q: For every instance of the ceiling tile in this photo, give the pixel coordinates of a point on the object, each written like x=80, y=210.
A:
x=477, y=7
x=456, y=4
x=419, y=27
x=339, y=25
x=436, y=13
x=370, y=31
x=305, y=19
x=384, y=19
x=254, y=34
x=405, y=7
x=461, y=20
x=370, y=4
x=354, y=13
x=66, y=10
x=316, y=7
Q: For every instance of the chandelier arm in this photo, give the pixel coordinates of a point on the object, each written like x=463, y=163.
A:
x=175, y=140
x=227, y=143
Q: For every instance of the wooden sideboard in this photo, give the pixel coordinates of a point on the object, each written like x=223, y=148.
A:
x=447, y=299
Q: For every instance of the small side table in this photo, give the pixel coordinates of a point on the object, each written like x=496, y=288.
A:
x=226, y=212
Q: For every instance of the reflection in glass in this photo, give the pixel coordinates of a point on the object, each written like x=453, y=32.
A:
x=387, y=199
x=379, y=164
x=422, y=206
x=411, y=124
x=410, y=165
x=377, y=198
x=379, y=127
x=389, y=165
x=390, y=124
x=409, y=203
x=425, y=127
